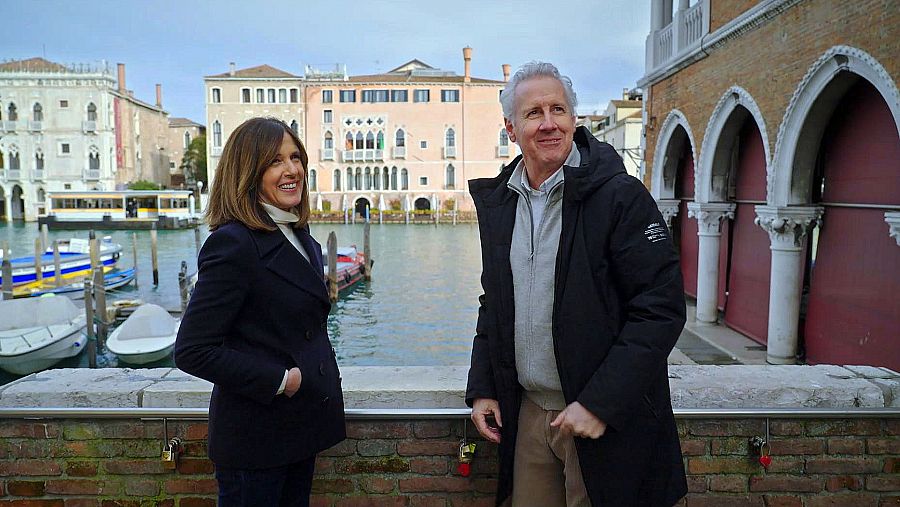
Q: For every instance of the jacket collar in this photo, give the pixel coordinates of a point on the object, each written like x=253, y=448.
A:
x=280, y=257
x=599, y=163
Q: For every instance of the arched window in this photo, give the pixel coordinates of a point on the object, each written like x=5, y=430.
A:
x=37, y=112
x=329, y=141
x=12, y=113
x=400, y=138
x=91, y=112
x=187, y=139
x=370, y=141
x=349, y=178
x=359, y=141
x=385, y=179
x=41, y=195
x=313, y=180
x=93, y=158
x=504, y=137
x=376, y=179
x=14, y=163
x=39, y=159
x=295, y=127
x=337, y=179
x=450, y=176
x=357, y=181
x=348, y=144
x=393, y=178
x=217, y=134
x=450, y=138
x=379, y=140
x=404, y=179
x=368, y=179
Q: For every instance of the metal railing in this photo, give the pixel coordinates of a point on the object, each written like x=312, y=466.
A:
x=502, y=151
x=37, y=174
x=89, y=126
x=35, y=126
x=449, y=151
x=399, y=151
x=13, y=175
x=326, y=154
x=91, y=174
x=443, y=413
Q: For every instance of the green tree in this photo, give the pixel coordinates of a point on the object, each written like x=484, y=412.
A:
x=193, y=164
x=143, y=185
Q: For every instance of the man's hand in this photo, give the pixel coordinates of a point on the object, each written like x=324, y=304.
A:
x=481, y=409
x=579, y=421
x=295, y=378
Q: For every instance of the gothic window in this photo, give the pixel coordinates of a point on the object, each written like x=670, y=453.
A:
x=400, y=138
x=379, y=140
x=94, y=158
x=187, y=139
x=404, y=179
x=329, y=141
x=357, y=180
x=376, y=179
x=368, y=179
x=337, y=179
x=217, y=134
x=450, y=138
x=295, y=128
x=504, y=137
x=359, y=141
x=91, y=112
x=370, y=141
x=393, y=178
x=386, y=179
x=14, y=163
x=11, y=112
x=349, y=178
x=348, y=144
x=450, y=176
x=37, y=112
x=313, y=183
x=39, y=160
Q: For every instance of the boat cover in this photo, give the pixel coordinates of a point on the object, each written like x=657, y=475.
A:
x=36, y=312
x=147, y=321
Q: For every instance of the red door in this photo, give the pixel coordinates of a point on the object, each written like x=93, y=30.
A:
x=686, y=232
x=853, y=315
x=747, y=304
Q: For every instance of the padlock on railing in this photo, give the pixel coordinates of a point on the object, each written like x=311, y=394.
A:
x=762, y=448
x=170, y=453
x=466, y=453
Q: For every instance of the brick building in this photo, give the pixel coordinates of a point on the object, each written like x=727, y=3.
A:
x=772, y=148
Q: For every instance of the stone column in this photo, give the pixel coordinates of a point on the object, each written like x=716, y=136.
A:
x=893, y=220
x=7, y=206
x=656, y=15
x=669, y=210
x=787, y=227
x=709, y=218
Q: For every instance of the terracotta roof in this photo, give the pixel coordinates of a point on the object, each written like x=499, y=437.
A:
x=408, y=78
x=414, y=63
x=258, y=71
x=36, y=64
x=183, y=122
x=636, y=114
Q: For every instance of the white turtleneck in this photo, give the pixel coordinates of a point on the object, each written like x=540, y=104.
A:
x=284, y=220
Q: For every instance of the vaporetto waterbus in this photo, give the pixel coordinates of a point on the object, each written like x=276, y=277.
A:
x=120, y=209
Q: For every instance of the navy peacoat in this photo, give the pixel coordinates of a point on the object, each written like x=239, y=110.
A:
x=258, y=309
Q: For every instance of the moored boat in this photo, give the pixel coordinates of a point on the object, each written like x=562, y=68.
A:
x=349, y=267
x=147, y=335
x=36, y=333
x=74, y=257
x=111, y=280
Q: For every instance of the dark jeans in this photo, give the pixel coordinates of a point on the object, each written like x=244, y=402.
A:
x=283, y=486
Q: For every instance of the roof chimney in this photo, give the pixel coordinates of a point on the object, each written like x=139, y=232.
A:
x=231, y=69
x=121, y=68
x=625, y=94
x=506, y=72
x=159, y=95
x=467, y=56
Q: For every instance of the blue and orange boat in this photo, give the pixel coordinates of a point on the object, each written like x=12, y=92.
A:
x=74, y=263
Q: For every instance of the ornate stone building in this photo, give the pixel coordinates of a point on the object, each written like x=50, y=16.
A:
x=409, y=138
x=772, y=147
x=73, y=128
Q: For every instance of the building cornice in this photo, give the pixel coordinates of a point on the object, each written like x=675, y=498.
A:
x=748, y=21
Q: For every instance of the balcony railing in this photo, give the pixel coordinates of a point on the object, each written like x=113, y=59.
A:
x=9, y=125
x=681, y=36
x=449, y=151
x=347, y=156
x=503, y=151
x=326, y=154
x=35, y=126
x=217, y=151
x=37, y=174
x=379, y=154
x=89, y=126
x=91, y=174
x=399, y=151
x=13, y=175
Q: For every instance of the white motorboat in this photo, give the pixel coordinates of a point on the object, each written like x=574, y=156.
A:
x=147, y=335
x=36, y=333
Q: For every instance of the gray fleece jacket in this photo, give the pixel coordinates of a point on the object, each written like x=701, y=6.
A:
x=532, y=257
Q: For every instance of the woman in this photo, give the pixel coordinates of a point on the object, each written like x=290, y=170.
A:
x=256, y=324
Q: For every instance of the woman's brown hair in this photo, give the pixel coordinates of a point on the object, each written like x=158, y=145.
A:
x=249, y=151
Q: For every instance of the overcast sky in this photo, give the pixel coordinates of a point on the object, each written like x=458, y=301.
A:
x=598, y=43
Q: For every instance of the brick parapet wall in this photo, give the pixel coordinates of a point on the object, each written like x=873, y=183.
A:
x=816, y=462
x=771, y=60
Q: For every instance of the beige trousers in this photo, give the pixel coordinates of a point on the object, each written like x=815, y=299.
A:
x=546, y=472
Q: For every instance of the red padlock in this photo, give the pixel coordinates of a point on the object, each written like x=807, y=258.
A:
x=765, y=461
x=464, y=469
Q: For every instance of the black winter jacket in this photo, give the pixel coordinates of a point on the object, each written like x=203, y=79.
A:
x=617, y=312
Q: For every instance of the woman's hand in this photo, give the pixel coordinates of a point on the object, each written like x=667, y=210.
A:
x=295, y=378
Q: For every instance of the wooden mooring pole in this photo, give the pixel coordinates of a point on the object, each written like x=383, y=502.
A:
x=45, y=235
x=100, y=309
x=57, y=264
x=197, y=242
x=332, y=267
x=183, y=286
x=6, y=271
x=134, y=257
x=367, y=254
x=89, y=320
x=153, y=258
x=38, y=262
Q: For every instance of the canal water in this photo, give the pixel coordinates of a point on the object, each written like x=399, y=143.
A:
x=419, y=308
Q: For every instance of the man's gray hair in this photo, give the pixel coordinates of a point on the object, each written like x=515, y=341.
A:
x=533, y=70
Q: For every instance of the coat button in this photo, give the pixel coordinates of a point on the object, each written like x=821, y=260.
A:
x=309, y=335
x=322, y=368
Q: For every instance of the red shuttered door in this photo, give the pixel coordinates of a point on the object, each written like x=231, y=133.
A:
x=686, y=232
x=853, y=315
x=747, y=304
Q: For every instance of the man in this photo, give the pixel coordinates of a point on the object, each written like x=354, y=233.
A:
x=582, y=304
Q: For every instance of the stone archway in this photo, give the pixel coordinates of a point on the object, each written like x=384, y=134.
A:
x=666, y=155
x=422, y=204
x=17, y=204
x=361, y=206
